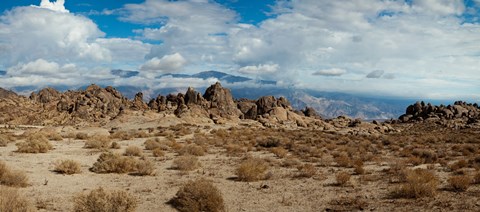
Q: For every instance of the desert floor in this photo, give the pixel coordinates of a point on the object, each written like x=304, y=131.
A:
x=377, y=166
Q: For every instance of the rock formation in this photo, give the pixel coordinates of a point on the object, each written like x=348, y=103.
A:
x=459, y=114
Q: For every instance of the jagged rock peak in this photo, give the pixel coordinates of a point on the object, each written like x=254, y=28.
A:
x=6, y=93
x=45, y=95
x=221, y=101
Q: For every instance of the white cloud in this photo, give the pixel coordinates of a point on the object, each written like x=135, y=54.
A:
x=330, y=72
x=195, y=29
x=55, y=6
x=167, y=64
x=423, y=45
x=29, y=33
x=59, y=47
x=261, y=69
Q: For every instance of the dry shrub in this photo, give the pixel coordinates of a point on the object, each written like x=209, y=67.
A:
x=343, y=161
x=151, y=144
x=67, y=167
x=458, y=165
x=54, y=136
x=419, y=183
x=12, y=201
x=98, y=142
x=5, y=139
x=235, y=149
x=133, y=151
x=121, y=135
x=173, y=144
x=348, y=204
x=306, y=170
x=358, y=167
x=115, y=163
x=342, y=178
x=459, y=183
x=279, y=152
x=14, y=178
x=186, y=163
x=105, y=200
x=158, y=152
x=269, y=142
x=144, y=167
x=35, y=143
x=192, y=149
x=141, y=134
x=476, y=178
x=291, y=162
x=397, y=172
x=198, y=195
x=252, y=169
x=115, y=145
x=427, y=156
x=81, y=136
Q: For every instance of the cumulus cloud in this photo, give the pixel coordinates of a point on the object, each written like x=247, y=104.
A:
x=259, y=69
x=48, y=41
x=198, y=30
x=167, y=64
x=55, y=6
x=414, y=41
x=375, y=74
x=330, y=72
x=50, y=35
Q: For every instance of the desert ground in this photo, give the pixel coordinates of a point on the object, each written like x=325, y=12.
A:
x=304, y=169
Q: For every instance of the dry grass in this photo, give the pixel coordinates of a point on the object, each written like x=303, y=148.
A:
x=115, y=163
x=12, y=201
x=35, y=143
x=186, y=163
x=5, y=139
x=198, y=195
x=307, y=170
x=152, y=143
x=115, y=145
x=105, y=200
x=476, y=178
x=158, y=152
x=98, y=142
x=133, y=151
x=419, y=183
x=279, y=152
x=252, y=169
x=121, y=135
x=14, y=178
x=342, y=178
x=459, y=183
x=144, y=167
x=67, y=167
x=192, y=149
x=81, y=136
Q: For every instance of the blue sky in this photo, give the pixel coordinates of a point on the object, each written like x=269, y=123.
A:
x=399, y=48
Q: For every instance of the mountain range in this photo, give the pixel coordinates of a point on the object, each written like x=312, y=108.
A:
x=327, y=104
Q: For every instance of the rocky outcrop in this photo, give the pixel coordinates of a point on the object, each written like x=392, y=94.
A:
x=458, y=114
x=6, y=94
x=220, y=102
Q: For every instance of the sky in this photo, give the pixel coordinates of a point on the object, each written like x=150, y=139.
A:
x=396, y=48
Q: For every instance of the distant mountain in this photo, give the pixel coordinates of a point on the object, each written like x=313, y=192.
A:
x=222, y=77
x=124, y=73
x=3, y=73
x=327, y=104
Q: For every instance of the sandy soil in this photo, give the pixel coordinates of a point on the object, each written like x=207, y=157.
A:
x=51, y=191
